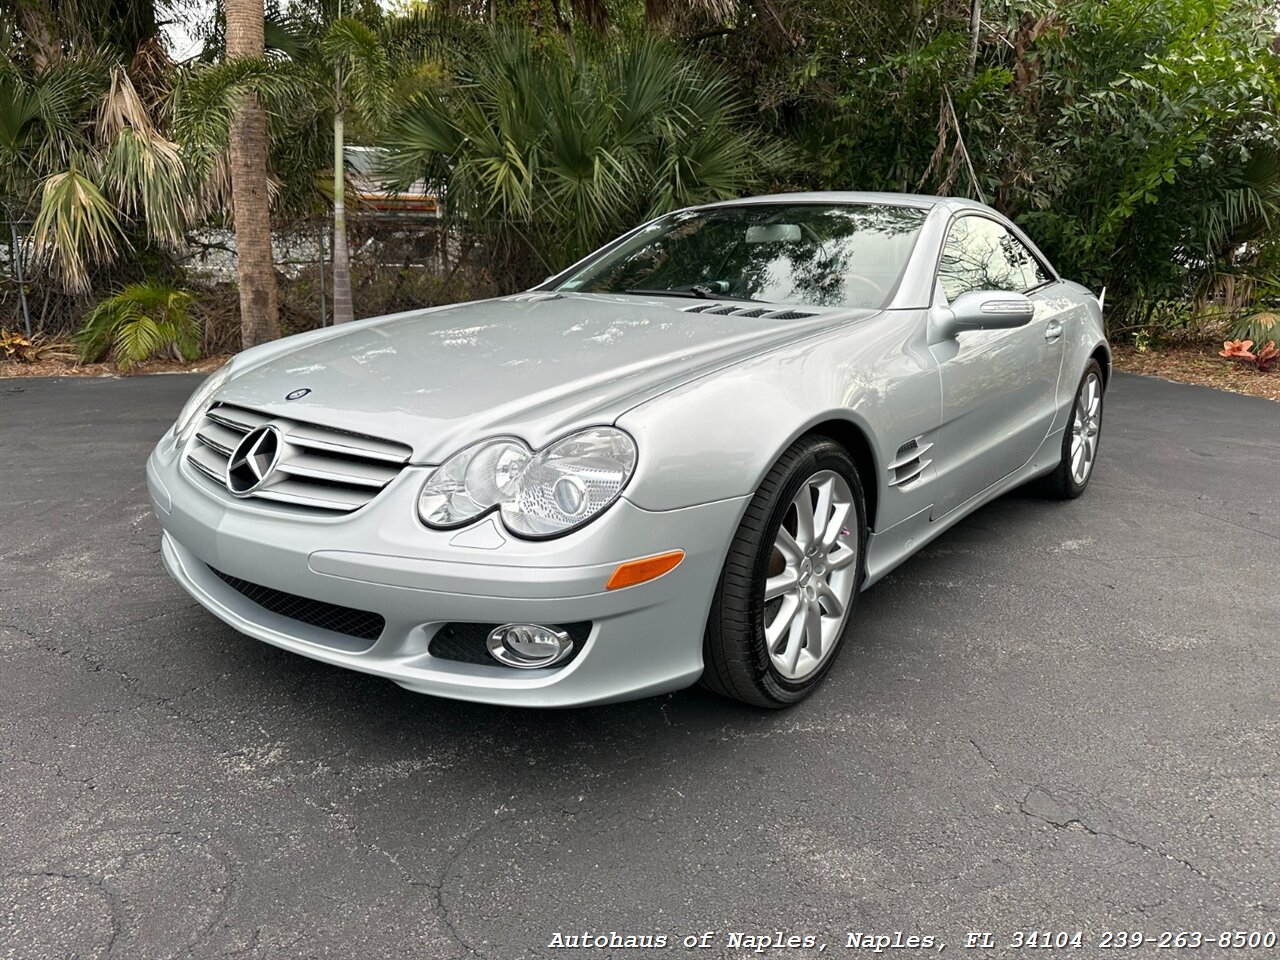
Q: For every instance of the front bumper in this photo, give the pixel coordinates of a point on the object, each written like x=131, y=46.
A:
x=644, y=640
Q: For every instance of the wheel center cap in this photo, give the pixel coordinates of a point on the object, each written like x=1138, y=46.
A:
x=806, y=571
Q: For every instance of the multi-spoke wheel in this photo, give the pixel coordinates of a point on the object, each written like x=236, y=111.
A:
x=811, y=576
x=792, y=578
x=1085, y=425
x=1080, y=439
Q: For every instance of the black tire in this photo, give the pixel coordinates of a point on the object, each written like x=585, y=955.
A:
x=737, y=663
x=1061, y=484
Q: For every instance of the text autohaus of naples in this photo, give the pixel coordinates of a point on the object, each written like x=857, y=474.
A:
x=738, y=940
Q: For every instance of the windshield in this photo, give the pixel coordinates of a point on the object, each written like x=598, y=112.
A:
x=826, y=255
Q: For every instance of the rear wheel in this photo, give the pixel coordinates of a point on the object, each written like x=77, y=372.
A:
x=1080, y=439
x=786, y=595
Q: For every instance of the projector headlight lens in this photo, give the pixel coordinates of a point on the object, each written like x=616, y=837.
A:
x=199, y=402
x=540, y=493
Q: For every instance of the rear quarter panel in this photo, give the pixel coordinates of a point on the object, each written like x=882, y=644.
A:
x=1085, y=335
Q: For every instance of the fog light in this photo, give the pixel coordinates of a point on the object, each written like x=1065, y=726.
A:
x=528, y=646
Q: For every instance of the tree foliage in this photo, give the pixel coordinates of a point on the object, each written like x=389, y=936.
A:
x=1138, y=142
x=88, y=160
x=141, y=321
x=566, y=149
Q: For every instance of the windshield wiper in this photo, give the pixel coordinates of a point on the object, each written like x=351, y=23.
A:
x=688, y=294
x=696, y=292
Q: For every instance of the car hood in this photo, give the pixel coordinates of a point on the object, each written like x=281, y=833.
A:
x=533, y=366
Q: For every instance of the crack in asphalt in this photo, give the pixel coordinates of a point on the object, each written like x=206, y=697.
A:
x=446, y=914
x=1236, y=523
x=982, y=753
x=169, y=704
x=95, y=882
x=1079, y=821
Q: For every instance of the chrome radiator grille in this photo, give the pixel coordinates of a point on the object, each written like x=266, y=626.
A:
x=317, y=468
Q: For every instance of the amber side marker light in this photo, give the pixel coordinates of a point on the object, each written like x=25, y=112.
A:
x=643, y=570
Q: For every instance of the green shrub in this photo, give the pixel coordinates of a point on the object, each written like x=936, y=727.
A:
x=142, y=321
x=1260, y=328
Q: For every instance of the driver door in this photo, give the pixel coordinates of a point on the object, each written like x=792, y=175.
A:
x=998, y=386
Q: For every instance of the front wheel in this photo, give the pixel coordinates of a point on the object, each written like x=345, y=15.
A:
x=792, y=578
x=1080, y=439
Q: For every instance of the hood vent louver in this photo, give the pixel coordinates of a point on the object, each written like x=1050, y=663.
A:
x=909, y=463
x=741, y=310
x=535, y=296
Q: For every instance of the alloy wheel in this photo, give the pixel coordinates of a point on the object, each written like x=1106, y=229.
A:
x=1085, y=428
x=811, y=575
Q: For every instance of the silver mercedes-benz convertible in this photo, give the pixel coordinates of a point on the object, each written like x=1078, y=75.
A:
x=684, y=457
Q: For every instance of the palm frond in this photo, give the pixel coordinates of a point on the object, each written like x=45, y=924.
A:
x=121, y=108
x=205, y=99
x=146, y=175
x=357, y=54
x=75, y=227
x=139, y=322
x=563, y=152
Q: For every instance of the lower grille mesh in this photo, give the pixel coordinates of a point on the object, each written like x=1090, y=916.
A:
x=316, y=613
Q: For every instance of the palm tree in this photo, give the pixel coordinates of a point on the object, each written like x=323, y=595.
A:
x=82, y=154
x=560, y=152
x=313, y=74
x=362, y=83
x=250, y=200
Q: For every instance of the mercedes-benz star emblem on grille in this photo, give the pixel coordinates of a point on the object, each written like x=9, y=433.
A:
x=253, y=460
x=297, y=394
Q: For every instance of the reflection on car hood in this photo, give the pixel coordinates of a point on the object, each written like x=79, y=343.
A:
x=533, y=367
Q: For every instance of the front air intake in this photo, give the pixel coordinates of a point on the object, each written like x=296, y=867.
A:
x=348, y=621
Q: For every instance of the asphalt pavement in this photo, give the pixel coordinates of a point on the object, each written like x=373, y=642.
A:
x=1059, y=717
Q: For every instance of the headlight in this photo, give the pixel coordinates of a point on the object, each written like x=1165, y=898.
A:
x=199, y=401
x=538, y=493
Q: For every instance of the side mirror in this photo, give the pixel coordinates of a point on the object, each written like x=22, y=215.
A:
x=980, y=310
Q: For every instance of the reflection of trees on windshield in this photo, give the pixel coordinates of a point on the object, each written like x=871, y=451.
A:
x=845, y=255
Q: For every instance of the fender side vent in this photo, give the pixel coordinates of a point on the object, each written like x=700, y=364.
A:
x=909, y=463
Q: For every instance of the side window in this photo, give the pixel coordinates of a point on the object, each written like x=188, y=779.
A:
x=980, y=254
x=1031, y=271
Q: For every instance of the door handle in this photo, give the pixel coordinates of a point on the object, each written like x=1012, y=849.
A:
x=1053, y=330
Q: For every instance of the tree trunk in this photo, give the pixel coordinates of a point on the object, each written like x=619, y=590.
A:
x=39, y=29
x=250, y=200
x=342, y=312
x=975, y=28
